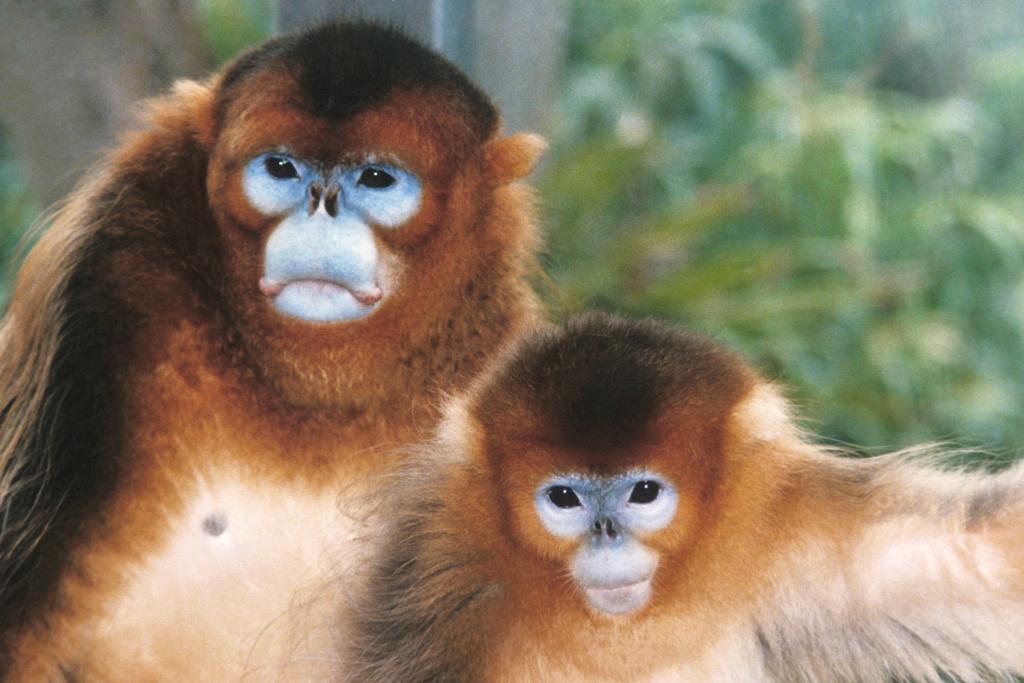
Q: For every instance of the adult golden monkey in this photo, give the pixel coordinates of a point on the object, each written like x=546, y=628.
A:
x=620, y=501
x=223, y=333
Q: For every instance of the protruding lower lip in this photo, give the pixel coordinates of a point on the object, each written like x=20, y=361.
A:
x=366, y=296
x=619, y=599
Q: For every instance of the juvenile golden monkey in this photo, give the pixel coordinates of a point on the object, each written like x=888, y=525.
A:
x=623, y=501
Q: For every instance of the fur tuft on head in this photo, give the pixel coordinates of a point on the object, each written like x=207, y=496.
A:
x=343, y=68
x=763, y=415
x=599, y=381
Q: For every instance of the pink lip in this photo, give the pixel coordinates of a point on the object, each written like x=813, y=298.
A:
x=620, y=588
x=620, y=598
x=271, y=288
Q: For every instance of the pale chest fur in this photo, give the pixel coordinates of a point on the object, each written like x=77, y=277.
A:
x=692, y=645
x=726, y=660
x=248, y=585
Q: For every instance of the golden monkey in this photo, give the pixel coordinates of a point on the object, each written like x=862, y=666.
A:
x=621, y=501
x=224, y=333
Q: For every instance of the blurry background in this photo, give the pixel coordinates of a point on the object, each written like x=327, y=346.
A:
x=834, y=188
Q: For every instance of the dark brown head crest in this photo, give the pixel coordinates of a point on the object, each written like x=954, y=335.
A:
x=600, y=379
x=345, y=67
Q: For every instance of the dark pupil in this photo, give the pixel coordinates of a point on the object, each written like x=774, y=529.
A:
x=280, y=168
x=563, y=497
x=376, y=178
x=644, y=492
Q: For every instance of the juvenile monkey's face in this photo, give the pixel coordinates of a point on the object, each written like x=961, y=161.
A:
x=605, y=440
x=608, y=515
x=607, y=519
x=615, y=518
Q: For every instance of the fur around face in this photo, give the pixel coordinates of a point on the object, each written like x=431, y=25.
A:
x=177, y=459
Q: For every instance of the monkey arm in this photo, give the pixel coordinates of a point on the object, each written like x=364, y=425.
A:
x=434, y=606
x=900, y=570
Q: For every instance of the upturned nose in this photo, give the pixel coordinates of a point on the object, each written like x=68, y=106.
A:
x=325, y=196
x=605, y=527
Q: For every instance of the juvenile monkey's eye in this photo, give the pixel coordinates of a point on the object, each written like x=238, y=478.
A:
x=279, y=167
x=645, y=492
x=376, y=179
x=563, y=497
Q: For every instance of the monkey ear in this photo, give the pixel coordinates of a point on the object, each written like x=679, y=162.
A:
x=763, y=415
x=458, y=433
x=190, y=104
x=511, y=158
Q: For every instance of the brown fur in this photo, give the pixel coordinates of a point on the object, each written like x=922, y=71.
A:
x=176, y=459
x=783, y=563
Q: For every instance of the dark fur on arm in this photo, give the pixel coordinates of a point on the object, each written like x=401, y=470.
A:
x=58, y=397
x=429, y=593
x=63, y=347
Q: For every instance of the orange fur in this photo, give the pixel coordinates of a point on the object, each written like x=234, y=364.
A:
x=512, y=157
x=182, y=467
x=783, y=562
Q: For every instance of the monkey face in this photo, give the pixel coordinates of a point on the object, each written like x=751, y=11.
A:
x=343, y=235
x=607, y=517
x=362, y=206
x=320, y=216
x=321, y=262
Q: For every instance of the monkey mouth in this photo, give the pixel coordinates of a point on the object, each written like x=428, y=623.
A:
x=364, y=295
x=619, y=598
x=316, y=299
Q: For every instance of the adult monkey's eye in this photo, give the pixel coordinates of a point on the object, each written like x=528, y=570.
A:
x=563, y=497
x=376, y=179
x=645, y=492
x=279, y=167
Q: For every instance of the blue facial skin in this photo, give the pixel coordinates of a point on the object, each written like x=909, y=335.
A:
x=614, y=500
x=608, y=516
x=321, y=261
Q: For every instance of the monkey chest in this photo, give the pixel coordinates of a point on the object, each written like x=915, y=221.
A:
x=245, y=583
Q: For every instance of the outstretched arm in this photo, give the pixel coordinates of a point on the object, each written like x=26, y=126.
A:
x=904, y=570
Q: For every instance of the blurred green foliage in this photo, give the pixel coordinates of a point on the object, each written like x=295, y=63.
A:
x=17, y=209
x=233, y=25
x=831, y=187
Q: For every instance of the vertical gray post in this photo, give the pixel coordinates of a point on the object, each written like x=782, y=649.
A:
x=518, y=55
x=512, y=48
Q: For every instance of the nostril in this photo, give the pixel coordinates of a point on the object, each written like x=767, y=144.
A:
x=316, y=191
x=331, y=200
x=604, y=527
